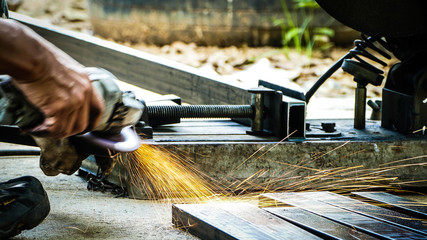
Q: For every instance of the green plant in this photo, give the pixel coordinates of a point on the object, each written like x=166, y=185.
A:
x=296, y=30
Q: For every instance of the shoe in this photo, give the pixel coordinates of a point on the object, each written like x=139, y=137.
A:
x=23, y=205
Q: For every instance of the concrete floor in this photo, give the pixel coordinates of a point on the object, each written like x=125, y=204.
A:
x=77, y=213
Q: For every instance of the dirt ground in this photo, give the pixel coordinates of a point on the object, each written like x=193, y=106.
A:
x=233, y=61
x=77, y=213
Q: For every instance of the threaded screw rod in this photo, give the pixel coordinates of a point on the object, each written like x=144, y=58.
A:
x=200, y=111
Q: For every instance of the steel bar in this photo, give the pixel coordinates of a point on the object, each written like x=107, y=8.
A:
x=369, y=210
x=317, y=225
x=408, y=206
x=12, y=134
x=234, y=221
x=19, y=152
x=362, y=223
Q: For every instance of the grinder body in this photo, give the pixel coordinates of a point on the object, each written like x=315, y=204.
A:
x=114, y=132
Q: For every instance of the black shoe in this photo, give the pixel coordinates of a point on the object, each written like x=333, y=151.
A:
x=23, y=205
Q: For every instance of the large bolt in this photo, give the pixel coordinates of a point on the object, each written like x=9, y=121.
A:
x=168, y=114
x=200, y=111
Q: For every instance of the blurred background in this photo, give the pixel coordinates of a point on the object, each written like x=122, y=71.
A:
x=293, y=41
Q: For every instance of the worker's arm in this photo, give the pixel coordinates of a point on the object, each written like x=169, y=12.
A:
x=52, y=81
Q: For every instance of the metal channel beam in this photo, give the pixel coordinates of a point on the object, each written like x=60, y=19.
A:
x=362, y=223
x=322, y=227
x=234, y=221
x=408, y=206
x=369, y=210
x=139, y=68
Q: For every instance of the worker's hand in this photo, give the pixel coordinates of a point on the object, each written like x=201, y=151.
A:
x=67, y=99
x=51, y=80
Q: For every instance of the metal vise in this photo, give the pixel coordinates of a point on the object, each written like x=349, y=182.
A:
x=274, y=110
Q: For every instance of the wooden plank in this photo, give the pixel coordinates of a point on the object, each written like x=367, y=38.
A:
x=379, y=213
x=359, y=222
x=316, y=224
x=139, y=68
x=410, y=207
x=234, y=221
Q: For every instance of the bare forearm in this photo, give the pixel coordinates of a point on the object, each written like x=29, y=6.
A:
x=50, y=79
x=24, y=54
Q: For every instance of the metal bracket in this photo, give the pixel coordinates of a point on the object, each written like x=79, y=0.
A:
x=287, y=112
